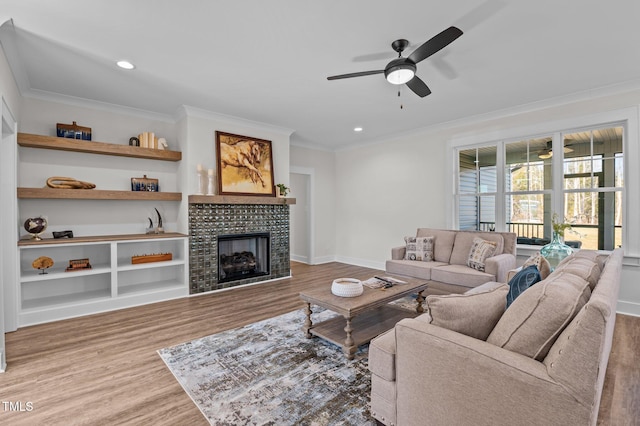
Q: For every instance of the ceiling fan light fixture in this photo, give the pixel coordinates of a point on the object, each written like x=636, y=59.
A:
x=400, y=72
x=545, y=155
x=400, y=76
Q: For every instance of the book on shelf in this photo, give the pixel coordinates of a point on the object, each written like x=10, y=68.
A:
x=380, y=282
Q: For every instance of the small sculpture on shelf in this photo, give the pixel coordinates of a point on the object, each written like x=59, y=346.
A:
x=42, y=263
x=61, y=182
x=35, y=226
x=63, y=234
x=158, y=229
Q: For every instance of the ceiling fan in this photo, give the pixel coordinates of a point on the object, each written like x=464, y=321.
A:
x=403, y=70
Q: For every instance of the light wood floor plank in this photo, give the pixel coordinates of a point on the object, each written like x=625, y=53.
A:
x=104, y=369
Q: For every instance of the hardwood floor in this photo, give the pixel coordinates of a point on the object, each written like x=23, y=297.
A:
x=104, y=369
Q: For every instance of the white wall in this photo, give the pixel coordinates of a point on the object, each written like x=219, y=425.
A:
x=386, y=190
x=325, y=211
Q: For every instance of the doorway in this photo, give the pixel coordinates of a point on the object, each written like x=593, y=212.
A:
x=301, y=225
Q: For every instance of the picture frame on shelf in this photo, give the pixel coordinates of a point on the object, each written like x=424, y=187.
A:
x=73, y=131
x=245, y=165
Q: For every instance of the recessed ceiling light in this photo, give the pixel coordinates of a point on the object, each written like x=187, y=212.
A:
x=357, y=129
x=126, y=65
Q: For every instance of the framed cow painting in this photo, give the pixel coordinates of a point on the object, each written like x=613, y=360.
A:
x=245, y=165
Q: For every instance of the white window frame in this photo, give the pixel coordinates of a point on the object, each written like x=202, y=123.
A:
x=627, y=118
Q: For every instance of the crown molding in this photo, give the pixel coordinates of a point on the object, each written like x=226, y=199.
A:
x=585, y=95
x=187, y=111
x=102, y=106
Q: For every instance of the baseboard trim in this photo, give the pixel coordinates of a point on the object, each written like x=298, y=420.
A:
x=323, y=259
x=628, y=308
x=361, y=262
x=301, y=259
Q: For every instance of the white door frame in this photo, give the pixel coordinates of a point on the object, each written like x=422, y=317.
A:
x=310, y=215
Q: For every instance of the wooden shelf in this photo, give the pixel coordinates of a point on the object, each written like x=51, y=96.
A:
x=63, y=144
x=99, y=239
x=96, y=194
x=238, y=199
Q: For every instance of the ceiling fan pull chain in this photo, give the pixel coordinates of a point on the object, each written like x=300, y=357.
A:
x=400, y=100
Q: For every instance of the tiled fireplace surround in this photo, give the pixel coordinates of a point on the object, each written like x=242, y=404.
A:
x=210, y=216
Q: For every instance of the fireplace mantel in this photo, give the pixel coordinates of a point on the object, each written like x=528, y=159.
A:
x=238, y=199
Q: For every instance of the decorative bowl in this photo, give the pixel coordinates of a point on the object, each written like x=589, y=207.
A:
x=347, y=287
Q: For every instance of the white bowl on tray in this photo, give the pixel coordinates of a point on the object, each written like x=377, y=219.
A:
x=347, y=287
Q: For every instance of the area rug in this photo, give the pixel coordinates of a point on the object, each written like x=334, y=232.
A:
x=268, y=373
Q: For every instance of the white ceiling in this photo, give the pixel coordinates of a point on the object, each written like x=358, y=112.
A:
x=268, y=61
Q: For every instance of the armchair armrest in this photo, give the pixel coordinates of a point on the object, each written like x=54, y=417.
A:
x=449, y=378
x=500, y=265
x=397, y=253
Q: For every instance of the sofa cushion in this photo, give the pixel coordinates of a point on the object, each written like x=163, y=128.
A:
x=583, y=267
x=419, y=248
x=382, y=355
x=464, y=241
x=474, y=313
x=460, y=275
x=412, y=268
x=544, y=268
x=479, y=252
x=535, y=319
x=442, y=243
x=521, y=281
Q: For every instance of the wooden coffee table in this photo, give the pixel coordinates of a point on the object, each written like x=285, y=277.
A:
x=362, y=317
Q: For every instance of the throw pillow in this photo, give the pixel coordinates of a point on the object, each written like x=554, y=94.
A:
x=419, y=248
x=480, y=251
x=521, y=281
x=473, y=314
x=541, y=263
x=537, y=317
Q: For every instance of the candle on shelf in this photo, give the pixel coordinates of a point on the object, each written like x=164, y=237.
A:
x=210, y=172
x=199, y=168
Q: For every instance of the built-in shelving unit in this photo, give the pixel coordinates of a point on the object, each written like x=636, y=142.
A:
x=112, y=282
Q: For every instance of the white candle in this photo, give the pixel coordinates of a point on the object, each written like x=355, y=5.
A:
x=199, y=167
x=210, y=172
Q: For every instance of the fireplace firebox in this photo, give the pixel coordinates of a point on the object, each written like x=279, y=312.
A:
x=243, y=256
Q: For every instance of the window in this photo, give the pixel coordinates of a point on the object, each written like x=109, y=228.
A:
x=577, y=173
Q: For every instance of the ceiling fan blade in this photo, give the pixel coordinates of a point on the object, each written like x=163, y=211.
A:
x=419, y=87
x=355, y=74
x=435, y=44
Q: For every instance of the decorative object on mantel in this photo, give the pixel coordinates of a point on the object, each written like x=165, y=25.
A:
x=145, y=184
x=347, y=287
x=73, y=131
x=148, y=140
x=42, y=263
x=78, y=265
x=158, y=229
x=282, y=190
x=199, y=179
x=63, y=234
x=211, y=182
x=245, y=165
x=36, y=226
x=61, y=182
x=134, y=141
x=149, y=258
x=556, y=250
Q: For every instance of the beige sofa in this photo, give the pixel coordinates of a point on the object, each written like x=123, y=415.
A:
x=423, y=374
x=451, y=251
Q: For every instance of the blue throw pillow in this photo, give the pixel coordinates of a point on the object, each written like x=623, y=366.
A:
x=521, y=281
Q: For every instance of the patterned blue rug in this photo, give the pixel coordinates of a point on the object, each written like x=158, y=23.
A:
x=268, y=373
